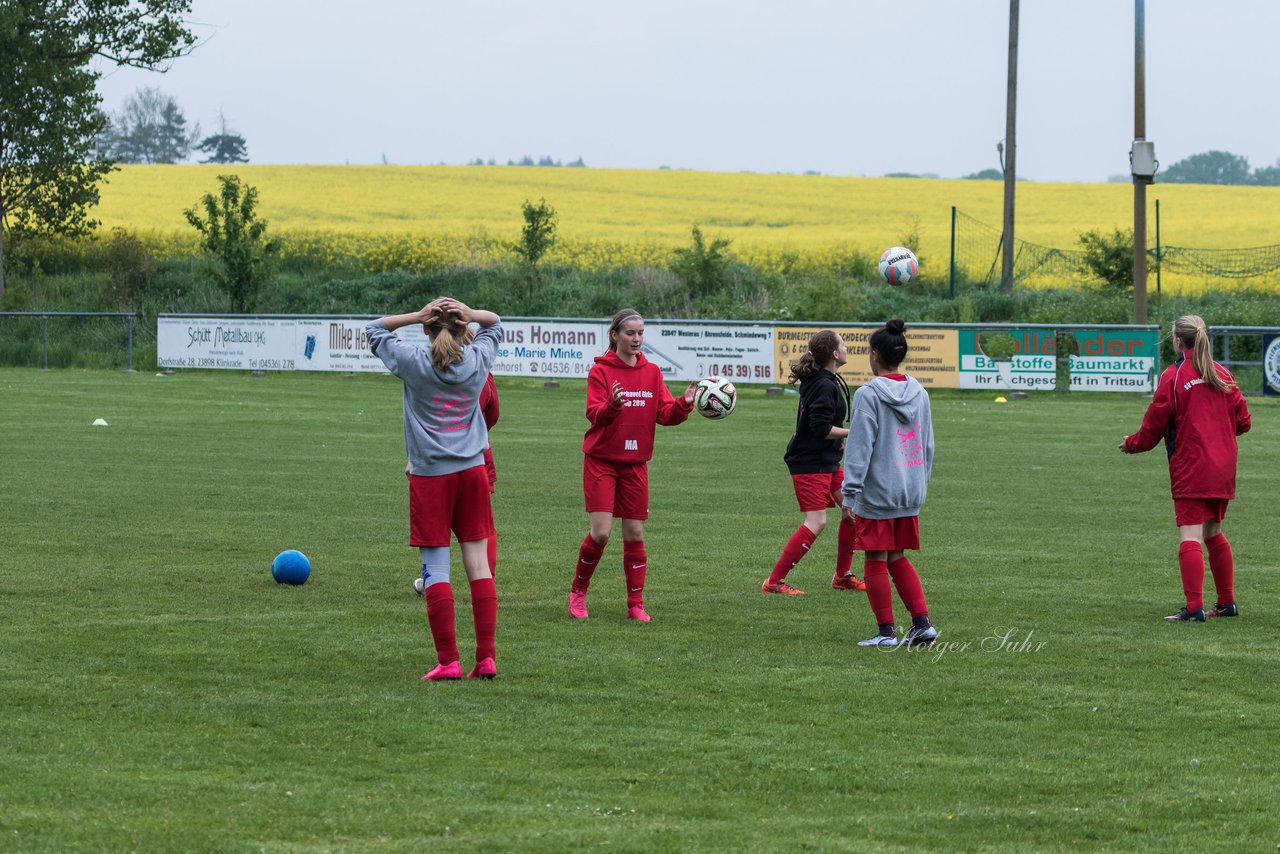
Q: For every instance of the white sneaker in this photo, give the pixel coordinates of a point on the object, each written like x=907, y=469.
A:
x=887, y=641
x=920, y=636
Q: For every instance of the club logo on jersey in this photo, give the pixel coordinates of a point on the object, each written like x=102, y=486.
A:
x=910, y=447
x=631, y=445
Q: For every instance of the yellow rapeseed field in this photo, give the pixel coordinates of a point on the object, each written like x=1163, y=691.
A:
x=390, y=217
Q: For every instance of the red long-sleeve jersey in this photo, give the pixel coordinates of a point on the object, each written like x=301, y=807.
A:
x=1199, y=425
x=489, y=411
x=489, y=402
x=624, y=434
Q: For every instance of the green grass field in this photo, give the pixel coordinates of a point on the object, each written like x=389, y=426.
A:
x=159, y=692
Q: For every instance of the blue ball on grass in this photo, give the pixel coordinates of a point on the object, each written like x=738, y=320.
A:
x=291, y=567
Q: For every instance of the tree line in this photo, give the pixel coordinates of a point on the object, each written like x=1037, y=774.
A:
x=151, y=128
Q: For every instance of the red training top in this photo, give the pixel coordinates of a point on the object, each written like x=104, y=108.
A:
x=489, y=411
x=624, y=434
x=1199, y=425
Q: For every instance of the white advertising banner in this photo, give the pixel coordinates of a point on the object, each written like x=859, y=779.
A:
x=687, y=351
x=551, y=349
x=340, y=344
x=247, y=344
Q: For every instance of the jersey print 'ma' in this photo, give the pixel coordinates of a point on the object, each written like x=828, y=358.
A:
x=630, y=445
x=451, y=414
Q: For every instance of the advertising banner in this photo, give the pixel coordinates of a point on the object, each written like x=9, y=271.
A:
x=1114, y=359
x=690, y=352
x=1033, y=366
x=551, y=349
x=246, y=344
x=340, y=344
x=1271, y=364
x=931, y=353
x=1123, y=359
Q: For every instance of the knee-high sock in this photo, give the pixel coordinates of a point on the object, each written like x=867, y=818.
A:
x=440, y=618
x=484, y=609
x=907, y=580
x=493, y=553
x=1223, y=566
x=634, y=565
x=876, y=575
x=844, y=548
x=797, y=547
x=1191, y=566
x=588, y=557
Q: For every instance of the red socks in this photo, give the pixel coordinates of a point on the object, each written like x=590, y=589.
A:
x=797, y=548
x=844, y=548
x=879, y=594
x=907, y=580
x=1191, y=565
x=440, y=618
x=484, y=609
x=634, y=565
x=1222, y=564
x=588, y=557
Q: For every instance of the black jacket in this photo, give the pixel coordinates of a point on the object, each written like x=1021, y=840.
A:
x=824, y=403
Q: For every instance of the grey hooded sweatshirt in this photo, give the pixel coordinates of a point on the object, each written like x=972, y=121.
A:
x=889, y=453
x=444, y=429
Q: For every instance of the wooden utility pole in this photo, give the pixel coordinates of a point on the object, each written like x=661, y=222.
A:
x=1140, y=181
x=1010, y=151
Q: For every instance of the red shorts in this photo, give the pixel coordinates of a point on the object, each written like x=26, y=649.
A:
x=1196, y=511
x=818, y=491
x=457, y=503
x=621, y=489
x=886, y=535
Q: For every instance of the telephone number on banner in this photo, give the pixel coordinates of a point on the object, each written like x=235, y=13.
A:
x=561, y=369
x=741, y=372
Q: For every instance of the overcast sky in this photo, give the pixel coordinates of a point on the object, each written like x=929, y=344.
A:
x=843, y=87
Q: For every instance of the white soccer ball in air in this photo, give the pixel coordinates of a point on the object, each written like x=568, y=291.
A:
x=417, y=585
x=715, y=398
x=898, y=265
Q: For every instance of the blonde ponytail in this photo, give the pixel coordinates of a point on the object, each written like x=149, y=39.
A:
x=448, y=344
x=1191, y=332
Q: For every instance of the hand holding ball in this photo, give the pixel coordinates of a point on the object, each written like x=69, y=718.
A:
x=715, y=398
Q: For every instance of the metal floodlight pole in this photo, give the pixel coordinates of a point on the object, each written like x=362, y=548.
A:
x=1010, y=151
x=1140, y=180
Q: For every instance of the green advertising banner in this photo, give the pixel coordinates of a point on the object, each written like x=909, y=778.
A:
x=1032, y=365
x=1114, y=359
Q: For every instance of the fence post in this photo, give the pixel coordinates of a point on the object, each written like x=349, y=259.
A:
x=130, y=368
x=1158, y=253
x=44, y=337
x=953, y=252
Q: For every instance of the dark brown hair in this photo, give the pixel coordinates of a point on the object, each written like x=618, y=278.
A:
x=891, y=343
x=822, y=345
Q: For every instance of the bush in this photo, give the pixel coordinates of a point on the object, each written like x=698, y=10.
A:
x=132, y=267
x=1109, y=257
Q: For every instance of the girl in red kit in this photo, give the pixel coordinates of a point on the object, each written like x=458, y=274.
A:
x=626, y=399
x=813, y=458
x=1199, y=411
